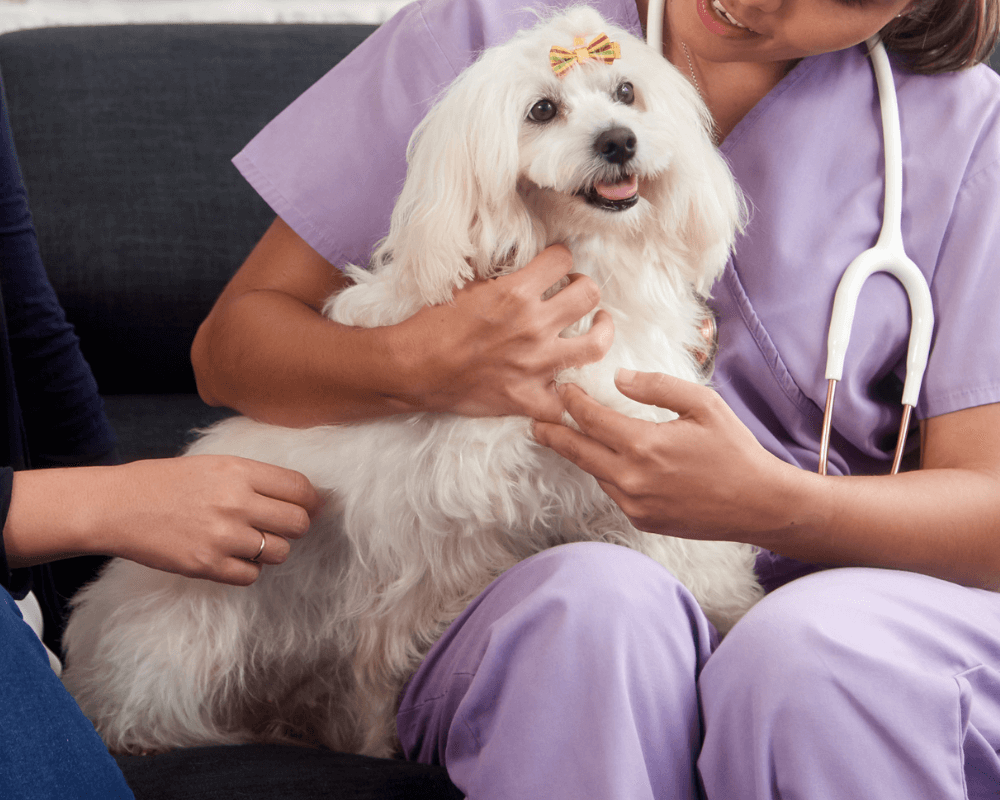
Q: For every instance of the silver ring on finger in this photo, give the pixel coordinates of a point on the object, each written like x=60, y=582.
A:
x=263, y=543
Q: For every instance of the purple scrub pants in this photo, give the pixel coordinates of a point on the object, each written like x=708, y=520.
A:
x=588, y=671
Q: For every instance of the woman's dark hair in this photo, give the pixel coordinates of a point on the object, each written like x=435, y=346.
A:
x=944, y=35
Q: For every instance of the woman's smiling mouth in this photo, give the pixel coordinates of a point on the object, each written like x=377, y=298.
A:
x=719, y=21
x=726, y=15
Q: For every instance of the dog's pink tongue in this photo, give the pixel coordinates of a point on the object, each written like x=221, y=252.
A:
x=618, y=191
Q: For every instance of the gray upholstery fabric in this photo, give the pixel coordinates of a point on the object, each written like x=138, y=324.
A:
x=125, y=135
x=157, y=425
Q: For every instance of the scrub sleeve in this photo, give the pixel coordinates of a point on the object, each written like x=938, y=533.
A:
x=587, y=670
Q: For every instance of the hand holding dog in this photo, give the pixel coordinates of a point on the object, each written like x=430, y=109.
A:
x=201, y=516
x=496, y=349
x=701, y=476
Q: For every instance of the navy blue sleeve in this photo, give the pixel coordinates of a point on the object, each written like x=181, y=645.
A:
x=62, y=413
x=52, y=411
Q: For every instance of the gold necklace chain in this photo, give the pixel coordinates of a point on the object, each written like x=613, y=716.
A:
x=694, y=78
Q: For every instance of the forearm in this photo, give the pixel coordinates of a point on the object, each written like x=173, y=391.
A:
x=266, y=350
x=705, y=476
x=278, y=360
x=199, y=516
x=940, y=522
x=56, y=513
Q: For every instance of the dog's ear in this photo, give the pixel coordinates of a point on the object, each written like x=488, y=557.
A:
x=701, y=203
x=709, y=204
x=715, y=212
x=459, y=214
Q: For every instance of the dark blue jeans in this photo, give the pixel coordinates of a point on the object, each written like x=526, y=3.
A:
x=48, y=748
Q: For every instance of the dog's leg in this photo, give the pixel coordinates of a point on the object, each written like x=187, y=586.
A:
x=148, y=673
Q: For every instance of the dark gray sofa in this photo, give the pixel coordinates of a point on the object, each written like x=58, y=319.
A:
x=124, y=134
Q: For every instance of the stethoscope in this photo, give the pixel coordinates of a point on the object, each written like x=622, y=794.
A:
x=888, y=255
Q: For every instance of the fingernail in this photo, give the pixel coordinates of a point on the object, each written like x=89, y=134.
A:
x=624, y=376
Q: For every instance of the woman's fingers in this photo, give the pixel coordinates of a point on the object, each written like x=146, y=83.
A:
x=497, y=348
x=284, y=502
x=587, y=453
x=285, y=486
x=664, y=391
x=595, y=447
x=267, y=548
x=281, y=509
x=543, y=271
x=588, y=347
x=698, y=475
x=575, y=297
x=206, y=516
x=613, y=430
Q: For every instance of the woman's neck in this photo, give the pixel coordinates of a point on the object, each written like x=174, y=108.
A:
x=729, y=90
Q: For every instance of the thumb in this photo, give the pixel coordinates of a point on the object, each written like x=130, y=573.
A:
x=664, y=391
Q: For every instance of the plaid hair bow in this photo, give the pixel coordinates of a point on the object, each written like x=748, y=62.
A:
x=601, y=48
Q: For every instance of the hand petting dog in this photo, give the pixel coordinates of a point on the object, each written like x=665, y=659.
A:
x=203, y=517
x=684, y=477
x=501, y=337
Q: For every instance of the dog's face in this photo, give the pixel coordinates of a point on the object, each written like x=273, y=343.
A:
x=519, y=154
x=597, y=143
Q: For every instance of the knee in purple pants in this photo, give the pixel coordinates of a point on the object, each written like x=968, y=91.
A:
x=857, y=683
x=573, y=675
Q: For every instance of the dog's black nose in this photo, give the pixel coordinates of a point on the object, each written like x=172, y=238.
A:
x=616, y=145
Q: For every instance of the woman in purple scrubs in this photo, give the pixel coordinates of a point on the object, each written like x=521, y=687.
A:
x=872, y=667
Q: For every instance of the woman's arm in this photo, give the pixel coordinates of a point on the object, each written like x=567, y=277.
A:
x=705, y=476
x=266, y=351
x=200, y=516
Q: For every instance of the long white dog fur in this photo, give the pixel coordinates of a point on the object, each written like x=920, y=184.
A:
x=426, y=509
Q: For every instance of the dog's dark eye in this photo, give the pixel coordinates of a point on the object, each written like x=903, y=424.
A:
x=625, y=93
x=542, y=111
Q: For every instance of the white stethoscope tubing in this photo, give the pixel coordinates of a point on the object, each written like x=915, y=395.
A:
x=888, y=255
x=654, y=24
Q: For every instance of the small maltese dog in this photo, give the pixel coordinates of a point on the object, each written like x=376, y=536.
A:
x=573, y=132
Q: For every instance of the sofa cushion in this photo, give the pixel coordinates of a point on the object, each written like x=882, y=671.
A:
x=125, y=135
x=157, y=425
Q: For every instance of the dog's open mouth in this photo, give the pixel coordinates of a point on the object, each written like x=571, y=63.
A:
x=617, y=196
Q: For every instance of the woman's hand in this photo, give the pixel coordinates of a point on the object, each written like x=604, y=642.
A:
x=496, y=349
x=703, y=475
x=199, y=516
x=267, y=351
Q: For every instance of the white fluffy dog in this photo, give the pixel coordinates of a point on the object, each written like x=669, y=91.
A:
x=614, y=158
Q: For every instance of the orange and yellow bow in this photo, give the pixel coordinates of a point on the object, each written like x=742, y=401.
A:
x=562, y=60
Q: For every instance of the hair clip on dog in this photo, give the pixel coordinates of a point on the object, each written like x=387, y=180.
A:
x=601, y=48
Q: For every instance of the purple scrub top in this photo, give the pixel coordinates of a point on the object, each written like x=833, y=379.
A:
x=809, y=159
